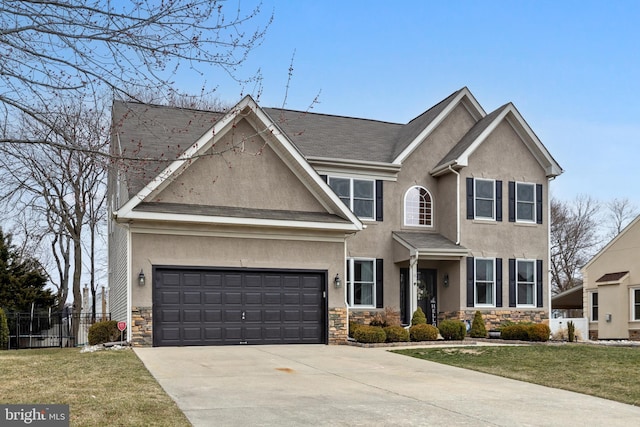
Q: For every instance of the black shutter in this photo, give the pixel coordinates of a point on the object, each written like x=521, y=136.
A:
x=470, y=198
x=512, y=282
x=539, y=282
x=498, y=200
x=512, y=201
x=470, y=282
x=325, y=178
x=539, y=203
x=378, y=200
x=498, y=282
x=379, y=281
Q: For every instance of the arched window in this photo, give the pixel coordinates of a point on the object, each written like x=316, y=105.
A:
x=418, y=207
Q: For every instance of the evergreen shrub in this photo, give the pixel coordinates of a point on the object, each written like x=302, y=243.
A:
x=453, y=330
x=423, y=332
x=369, y=334
x=478, y=330
x=396, y=334
x=106, y=331
x=4, y=330
x=418, y=317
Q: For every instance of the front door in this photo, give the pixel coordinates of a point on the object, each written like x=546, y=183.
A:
x=427, y=294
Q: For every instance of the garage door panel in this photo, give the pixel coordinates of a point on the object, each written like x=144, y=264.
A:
x=212, y=298
x=191, y=316
x=192, y=297
x=212, y=315
x=169, y=297
x=222, y=307
x=253, y=298
x=232, y=298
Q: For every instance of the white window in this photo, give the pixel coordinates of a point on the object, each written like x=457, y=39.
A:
x=525, y=202
x=484, y=199
x=418, y=207
x=594, y=306
x=485, y=282
x=357, y=194
x=526, y=283
x=635, y=304
x=361, y=282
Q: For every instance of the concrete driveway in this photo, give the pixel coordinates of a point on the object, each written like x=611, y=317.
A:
x=300, y=385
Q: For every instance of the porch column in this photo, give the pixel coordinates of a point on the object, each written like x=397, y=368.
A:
x=413, y=278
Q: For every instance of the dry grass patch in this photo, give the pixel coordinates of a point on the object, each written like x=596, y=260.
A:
x=102, y=388
x=608, y=372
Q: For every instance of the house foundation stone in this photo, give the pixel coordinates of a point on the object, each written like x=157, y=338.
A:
x=493, y=319
x=338, y=328
x=142, y=327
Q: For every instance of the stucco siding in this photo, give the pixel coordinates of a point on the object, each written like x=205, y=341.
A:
x=168, y=249
x=242, y=170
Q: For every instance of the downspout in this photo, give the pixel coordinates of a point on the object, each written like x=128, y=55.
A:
x=457, y=204
x=549, y=244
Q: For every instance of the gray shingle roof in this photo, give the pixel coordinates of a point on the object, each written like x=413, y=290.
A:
x=235, y=212
x=428, y=241
x=150, y=136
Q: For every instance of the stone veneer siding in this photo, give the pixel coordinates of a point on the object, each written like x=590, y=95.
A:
x=338, y=329
x=493, y=319
x=142, y=328
x=634, y=334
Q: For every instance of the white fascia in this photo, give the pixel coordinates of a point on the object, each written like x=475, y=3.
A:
x=222, y=220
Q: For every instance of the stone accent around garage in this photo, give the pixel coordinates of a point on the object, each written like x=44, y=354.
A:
x=494, y=318
x=142, y=327
x=338, y=328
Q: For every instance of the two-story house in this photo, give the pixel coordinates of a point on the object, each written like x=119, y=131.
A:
x=262, y=225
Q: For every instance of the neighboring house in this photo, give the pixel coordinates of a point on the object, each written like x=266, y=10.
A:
x=279, y=226
x=611, y=287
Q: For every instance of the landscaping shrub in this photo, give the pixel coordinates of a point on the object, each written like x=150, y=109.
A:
x=378, y=319
x=396, y=334
x=418, y=317
x=102, y=332
x=518, y=331
x=478, y=330
x=369, y=334
x=452, y=330
x=539, y=332
x=423, y=332
x=353, y=327
x=4, y=331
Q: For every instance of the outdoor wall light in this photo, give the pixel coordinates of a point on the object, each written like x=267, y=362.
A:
x=141, y=278
x=445, y=280
x=337, y=282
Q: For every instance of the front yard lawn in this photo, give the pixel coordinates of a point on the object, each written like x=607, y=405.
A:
x=603, y=371
x=110, y=387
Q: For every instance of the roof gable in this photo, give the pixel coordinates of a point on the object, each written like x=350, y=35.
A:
x=622, y=235
x=458, y=156
x=248, y=110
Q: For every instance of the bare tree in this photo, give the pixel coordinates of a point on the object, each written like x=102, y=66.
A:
x=620, y=212
x=61, y=188
x=574, y=239
x=54, y=50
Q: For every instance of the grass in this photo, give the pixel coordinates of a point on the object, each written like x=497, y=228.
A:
x=101, y=388
x=608, y=372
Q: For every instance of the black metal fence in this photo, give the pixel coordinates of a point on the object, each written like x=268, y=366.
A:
x=40, y=330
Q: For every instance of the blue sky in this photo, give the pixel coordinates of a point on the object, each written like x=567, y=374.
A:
x=572, y=68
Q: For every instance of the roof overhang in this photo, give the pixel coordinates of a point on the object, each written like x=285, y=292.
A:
x=571, y=299
x=437, y=247
x=380, y=170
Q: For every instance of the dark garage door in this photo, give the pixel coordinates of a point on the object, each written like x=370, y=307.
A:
x=237, y=306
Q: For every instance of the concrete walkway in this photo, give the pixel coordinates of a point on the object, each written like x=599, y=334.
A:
x=311, y=385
